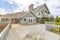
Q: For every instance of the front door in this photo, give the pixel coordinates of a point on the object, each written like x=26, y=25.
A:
x=30, y=21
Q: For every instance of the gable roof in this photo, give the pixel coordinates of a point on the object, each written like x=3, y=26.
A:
x=47, y=8
x=21, y=14
x=15, y=15
x=43, y=5
x=27, y=13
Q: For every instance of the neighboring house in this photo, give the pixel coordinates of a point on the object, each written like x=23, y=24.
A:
x=32, y=16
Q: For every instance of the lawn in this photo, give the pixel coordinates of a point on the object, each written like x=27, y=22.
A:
x=56, y=30
x=57, y=23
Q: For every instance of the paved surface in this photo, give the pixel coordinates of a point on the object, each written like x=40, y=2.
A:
x=18, y=30
x=51, y=36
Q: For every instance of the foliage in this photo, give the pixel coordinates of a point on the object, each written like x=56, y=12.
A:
x=57, y=19
x=56, y=30
x=57, y=23
x=44, y=19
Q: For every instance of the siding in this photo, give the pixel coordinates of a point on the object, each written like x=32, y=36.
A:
x=39, y=10
x=27, y=17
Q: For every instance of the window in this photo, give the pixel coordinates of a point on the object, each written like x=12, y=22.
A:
x=34, y=19
x=43, y=13
x=39, y=13
x=30, y=16
x=30, y=20
x=24, y=19
x=12, y=19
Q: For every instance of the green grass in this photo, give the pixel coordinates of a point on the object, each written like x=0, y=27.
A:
x=57, y=23
x=55, y=30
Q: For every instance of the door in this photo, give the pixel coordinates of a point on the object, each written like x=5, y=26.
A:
x=30, y=21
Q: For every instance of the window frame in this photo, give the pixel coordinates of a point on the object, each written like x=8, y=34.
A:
x=24, y=19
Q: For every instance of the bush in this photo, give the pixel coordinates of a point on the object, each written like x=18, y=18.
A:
x=55, y=30
x=42, y=21
x=57, y=23
x=57, y=19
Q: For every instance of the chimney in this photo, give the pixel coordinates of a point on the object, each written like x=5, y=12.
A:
x=31, y=7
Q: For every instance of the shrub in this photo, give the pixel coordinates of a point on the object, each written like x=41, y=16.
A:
x=55, y=30
x=57, y=23
x=42, y=21
x=57, y=19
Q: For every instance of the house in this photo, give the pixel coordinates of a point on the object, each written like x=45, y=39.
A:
x=32, y=16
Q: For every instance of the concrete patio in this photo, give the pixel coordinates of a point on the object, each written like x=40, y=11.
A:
x=19, y=30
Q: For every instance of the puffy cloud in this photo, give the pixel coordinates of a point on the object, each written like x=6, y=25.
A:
x=56, y=12
x=53, y=5
x=22, y=5
x=3, y=11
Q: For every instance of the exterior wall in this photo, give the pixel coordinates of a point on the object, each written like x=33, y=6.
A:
x=40, y=12
x=28, y=19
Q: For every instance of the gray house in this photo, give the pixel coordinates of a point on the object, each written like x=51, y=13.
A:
x=32, y=16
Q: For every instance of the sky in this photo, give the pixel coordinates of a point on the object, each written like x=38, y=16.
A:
x=11, y=6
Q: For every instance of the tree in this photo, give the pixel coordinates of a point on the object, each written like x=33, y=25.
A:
x=57, y=19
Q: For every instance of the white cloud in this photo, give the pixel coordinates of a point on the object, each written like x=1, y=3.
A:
x=23, y=4
x=17, y=10
x=10, y=2
x=56, y=12
x=52, y=4
x=3, y=11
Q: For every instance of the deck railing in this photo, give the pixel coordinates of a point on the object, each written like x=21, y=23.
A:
x=49, y=25
x=4, y=33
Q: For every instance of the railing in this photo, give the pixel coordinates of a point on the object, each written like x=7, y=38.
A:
x=4, y=33
x=49, y=26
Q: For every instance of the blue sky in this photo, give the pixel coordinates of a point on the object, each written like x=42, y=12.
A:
x=11, y=6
